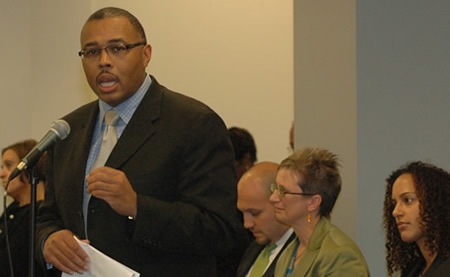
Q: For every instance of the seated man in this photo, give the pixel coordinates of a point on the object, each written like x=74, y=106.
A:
x=271, y=236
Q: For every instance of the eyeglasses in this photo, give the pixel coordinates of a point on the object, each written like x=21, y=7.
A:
x=115, y=50
x=282, y=191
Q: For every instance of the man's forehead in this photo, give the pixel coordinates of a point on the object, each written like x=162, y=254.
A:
x=252, y=209
x=108, y=29
x=249, y=202
x=111, y=41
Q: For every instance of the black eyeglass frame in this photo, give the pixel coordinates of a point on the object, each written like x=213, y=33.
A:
x=127, y=47
x=283, y=191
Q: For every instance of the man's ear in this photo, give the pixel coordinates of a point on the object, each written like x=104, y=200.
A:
x=147, y=54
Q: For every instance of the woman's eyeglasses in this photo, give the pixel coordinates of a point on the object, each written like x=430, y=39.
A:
x=282, y=191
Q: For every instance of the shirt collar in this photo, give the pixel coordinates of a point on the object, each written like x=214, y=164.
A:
x=126, y=109
x=284, y=238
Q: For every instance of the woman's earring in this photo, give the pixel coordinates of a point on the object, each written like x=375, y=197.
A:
x=309, y=217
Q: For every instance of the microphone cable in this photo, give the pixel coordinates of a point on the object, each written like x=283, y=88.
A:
x=5, y=221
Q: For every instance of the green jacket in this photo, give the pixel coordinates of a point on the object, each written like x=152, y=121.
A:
x=330, y=252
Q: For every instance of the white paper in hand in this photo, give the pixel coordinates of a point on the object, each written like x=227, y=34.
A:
x=102, y=265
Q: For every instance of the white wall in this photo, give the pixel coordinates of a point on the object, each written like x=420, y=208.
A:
x=15, y=73
x=235, y=56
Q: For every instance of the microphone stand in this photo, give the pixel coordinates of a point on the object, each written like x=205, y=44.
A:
x=34, y=180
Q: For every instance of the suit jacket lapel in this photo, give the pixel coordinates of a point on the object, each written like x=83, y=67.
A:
x=140, y=127
x=313, y=247
x=271, y=269
x=306, y=261
x=80, y=147
x=249, y=258
x=288, y=241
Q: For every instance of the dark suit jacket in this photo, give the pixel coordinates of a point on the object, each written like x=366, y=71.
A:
x=253, y=252
x=177, y=155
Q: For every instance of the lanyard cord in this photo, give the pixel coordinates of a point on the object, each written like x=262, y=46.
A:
x=290, y=268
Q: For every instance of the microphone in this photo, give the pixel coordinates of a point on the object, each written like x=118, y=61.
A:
x=59, y=129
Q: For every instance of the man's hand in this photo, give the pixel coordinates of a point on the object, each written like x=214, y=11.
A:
x=113, y=186
x=63, y=251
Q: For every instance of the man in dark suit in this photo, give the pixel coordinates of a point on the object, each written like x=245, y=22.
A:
x=163, y=204
x=259, y=217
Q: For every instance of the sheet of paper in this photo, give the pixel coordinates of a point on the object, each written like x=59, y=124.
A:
x=102, y=265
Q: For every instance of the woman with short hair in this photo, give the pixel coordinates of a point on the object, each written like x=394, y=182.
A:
x=307, y=185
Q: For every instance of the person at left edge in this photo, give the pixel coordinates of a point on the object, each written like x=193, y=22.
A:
x=18, y=212
x=164, y=203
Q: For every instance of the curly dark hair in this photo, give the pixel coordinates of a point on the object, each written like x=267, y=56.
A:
x=432, y=186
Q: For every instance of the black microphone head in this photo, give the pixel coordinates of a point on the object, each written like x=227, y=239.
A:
x=61, y=128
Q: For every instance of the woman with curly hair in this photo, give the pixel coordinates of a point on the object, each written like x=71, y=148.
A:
x=416, y=220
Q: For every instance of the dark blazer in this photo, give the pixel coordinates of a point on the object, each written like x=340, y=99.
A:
x=18, y=220
x=252, y=253
x=177, y=155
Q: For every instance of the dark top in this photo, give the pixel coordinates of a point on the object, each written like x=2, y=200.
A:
x=19, y=236
x=439, y=268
